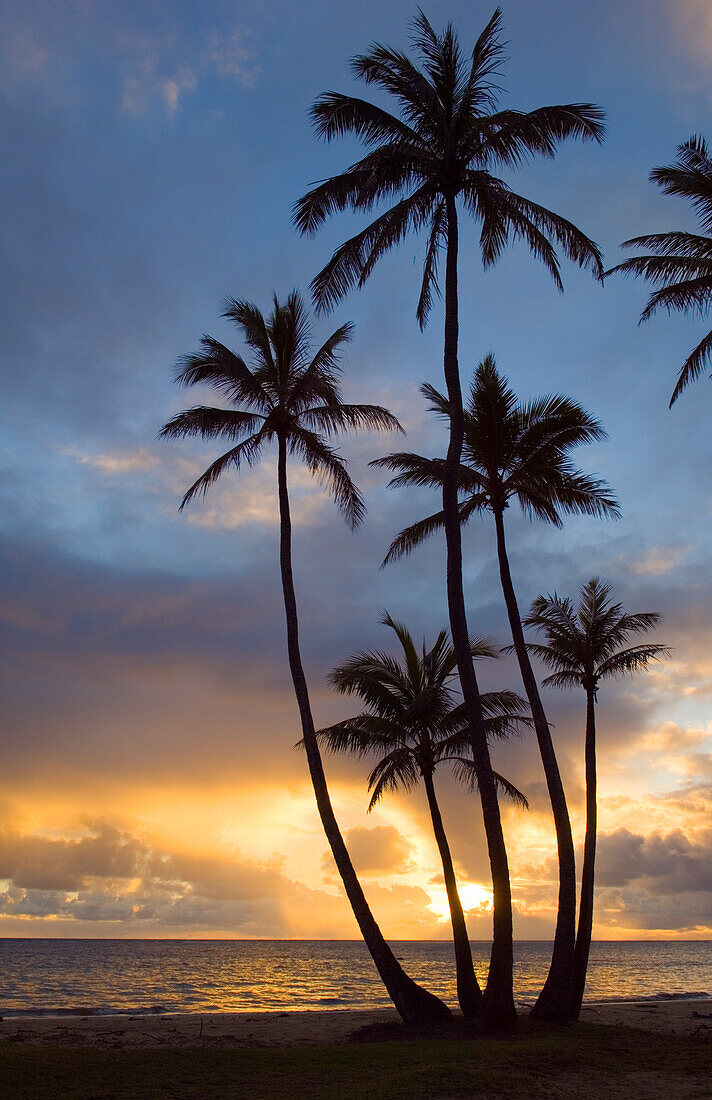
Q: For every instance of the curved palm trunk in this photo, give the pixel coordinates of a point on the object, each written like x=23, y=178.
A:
x=469, y=993
x=498, y=1001
x=553, y=1001
x=413, y=1002
x=585, y=921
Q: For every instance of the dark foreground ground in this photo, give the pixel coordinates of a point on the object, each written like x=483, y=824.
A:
x=586, y=1061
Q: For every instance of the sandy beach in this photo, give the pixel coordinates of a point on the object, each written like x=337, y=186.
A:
x=254, y=1030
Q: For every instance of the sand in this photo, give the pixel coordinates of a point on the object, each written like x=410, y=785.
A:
x=286, y=1029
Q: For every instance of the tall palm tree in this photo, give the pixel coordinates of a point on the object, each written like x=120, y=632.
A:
x=681, y=263
x=412, y=723
x=583, y=646
x=515, y=451
x=437, y=151
x=293, y=398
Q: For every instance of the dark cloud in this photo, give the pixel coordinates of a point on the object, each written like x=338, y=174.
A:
x=669, y=864
x=40, y=863
x=109, y=875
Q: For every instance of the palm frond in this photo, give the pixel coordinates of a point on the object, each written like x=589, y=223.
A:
x=331, y=419
x=382, y=174
x=513, y=136
x=691, y=294
x=248, y=452
x=690, y=177
x=675, y=243
x=579, y=248
x=334, y=115
x=429, y=284
x=251, y=322
x=693, y=366
x=661, y=269
x=410, y=653
x=464, y=771
x=210, y=423
x=361, y=736
x=396, y=771
x=353, y=262
x=631, y=660
x=225, y=371
x=480, y=93
x=329, y=468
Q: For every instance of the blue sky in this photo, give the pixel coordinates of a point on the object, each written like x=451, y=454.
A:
x=154, y=155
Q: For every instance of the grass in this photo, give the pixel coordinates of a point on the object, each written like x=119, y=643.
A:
x=582, y=1061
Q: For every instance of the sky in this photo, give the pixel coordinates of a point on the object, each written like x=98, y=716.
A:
x=150, y=785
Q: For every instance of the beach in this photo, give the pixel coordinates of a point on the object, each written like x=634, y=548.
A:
x=638, y=1050
x=256, y=1030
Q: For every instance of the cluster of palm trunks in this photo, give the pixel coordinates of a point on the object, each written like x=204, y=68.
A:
x=431, y=159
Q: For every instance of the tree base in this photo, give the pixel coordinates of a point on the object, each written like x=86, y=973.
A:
x=416, y=1006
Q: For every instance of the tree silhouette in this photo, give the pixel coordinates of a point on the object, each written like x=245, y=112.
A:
x=583, y=646
x=681, y=263
x=441, y=147
x=519, y=452
x=412, y=723
x=292, y=398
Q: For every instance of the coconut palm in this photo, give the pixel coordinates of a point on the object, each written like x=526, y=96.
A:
x=681, y=263
x=413, y=722
x=438, y=151
x=292, y=397
x=583, y=646
x=515, y=451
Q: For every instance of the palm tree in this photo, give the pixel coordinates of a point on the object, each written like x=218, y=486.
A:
x=439, y=149
x=412, y=723
x=514, y=451
x=293, y=398
x=681, y=263
x=583, y=646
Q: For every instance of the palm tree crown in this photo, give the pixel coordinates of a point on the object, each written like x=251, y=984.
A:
x=413, y=720
x=293, y=397
x=412, y=723
x=586, y=644
x=445, y=141
x=681, y=263
x=290, y=394
x=511, y=450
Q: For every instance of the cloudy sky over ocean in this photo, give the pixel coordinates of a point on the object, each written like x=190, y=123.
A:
x=149, y=780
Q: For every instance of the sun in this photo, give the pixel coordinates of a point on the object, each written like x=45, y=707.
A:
x=473, y=895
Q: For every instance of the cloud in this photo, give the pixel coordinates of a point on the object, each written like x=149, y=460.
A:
x=231, y=57
x=23, y=52
x=43, y=863
x=164, y=64
x=672, y=863
x=658, y=561
x=116, y=462
x=692, y=20
x=111, y=875
x=157, y=55
x=382, y=850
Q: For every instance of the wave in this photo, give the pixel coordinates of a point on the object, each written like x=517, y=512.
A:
x=84, y=1010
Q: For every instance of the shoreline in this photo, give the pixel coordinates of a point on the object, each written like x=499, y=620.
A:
x=308, y=1027
x=153, y=1012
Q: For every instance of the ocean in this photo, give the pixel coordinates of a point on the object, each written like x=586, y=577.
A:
x=143, y=976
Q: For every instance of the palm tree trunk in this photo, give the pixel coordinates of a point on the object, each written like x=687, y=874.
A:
x=413, y=1002
x=469, y=993
x=585, y=921
x=553, y=1001
x=498, y=1002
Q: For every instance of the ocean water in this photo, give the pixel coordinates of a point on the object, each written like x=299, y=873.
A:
x=139, y=976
